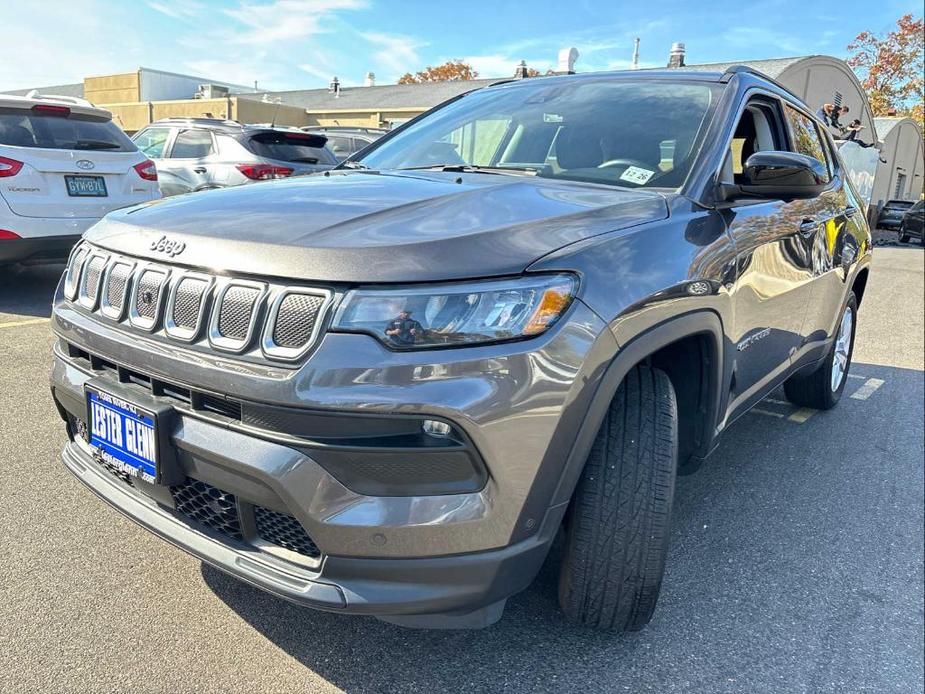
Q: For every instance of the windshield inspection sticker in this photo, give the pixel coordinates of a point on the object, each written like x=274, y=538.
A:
x=634, y=174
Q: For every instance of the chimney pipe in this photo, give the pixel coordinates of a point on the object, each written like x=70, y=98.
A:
x=334, y=87
x=636, y=54
x=521, y=71
x=676, y=56
x=370, y=80
x=567, y=58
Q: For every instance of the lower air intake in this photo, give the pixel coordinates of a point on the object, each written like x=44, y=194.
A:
x=284, y=530
x=209, y=505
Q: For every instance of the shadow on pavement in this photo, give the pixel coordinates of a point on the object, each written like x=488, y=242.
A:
x=795, y=564
x=27, y=291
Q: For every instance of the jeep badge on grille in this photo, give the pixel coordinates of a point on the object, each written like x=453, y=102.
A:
x=165, y=245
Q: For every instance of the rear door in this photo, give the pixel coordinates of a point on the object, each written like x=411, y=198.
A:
x=835, y=242
x=73, y=165
x=189, y=160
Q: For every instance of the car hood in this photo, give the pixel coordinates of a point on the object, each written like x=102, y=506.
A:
x=375, y=227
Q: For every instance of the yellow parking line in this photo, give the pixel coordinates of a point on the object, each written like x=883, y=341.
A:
x=802, y=414
x=20, y=323
x=866, y=390
x=767, y=413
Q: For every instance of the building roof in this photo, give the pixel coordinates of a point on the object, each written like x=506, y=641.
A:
x=885, y=124
x=59, y=89
x=772, y=67
x=387, y=96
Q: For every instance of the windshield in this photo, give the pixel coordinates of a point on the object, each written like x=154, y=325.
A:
x=53, y=131
x=623, y=133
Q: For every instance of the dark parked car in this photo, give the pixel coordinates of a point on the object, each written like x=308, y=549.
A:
x=386, y=390
x=912, y=222
x=345, y=141
x=193, y=154
x=891, y=215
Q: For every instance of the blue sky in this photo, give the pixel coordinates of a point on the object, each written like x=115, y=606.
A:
x=291, y=44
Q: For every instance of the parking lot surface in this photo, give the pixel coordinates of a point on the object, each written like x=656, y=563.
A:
x=796, y=561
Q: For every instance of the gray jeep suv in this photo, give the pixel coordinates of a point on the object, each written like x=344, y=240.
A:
x=386, y=389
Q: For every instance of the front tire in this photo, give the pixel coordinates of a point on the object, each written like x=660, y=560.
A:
x=823, y=388
x=618, y=524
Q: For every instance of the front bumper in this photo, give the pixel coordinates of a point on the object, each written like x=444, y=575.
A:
x=446, y=554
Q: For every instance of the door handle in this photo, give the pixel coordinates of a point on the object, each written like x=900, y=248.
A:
x=850, y=211
x=808, y=227
x=199, y=170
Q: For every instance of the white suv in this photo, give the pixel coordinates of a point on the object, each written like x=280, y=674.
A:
x=63, y=165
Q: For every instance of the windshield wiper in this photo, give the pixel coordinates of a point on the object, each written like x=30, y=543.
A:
x=96, y=144
x=347, y=164
x=471, y=168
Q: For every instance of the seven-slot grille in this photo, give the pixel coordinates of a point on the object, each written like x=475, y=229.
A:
x=184, y=304
x=116, y=289
x=237, y=312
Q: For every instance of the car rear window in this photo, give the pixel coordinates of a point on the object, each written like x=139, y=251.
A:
x=21, y=128
x=899, y=205
x=297, y=148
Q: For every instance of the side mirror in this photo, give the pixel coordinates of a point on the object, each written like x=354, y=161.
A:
x=779, y=176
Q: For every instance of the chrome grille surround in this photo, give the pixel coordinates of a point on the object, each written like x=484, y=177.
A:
x=91, y=280
x=283, y=336
x=150, y=281
x=117, y=280
x=187, y=304
x=231, y=326
x=75, y=269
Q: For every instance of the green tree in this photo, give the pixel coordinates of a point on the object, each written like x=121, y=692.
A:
x=890, y=67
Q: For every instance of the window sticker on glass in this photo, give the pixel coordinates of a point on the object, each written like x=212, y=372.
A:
x=636, y=174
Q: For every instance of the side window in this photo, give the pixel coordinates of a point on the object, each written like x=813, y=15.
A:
x=192, y=144
x=340, y=145
x=806, y=138
x=757, y=131
x=152, y=141
x=477, y=142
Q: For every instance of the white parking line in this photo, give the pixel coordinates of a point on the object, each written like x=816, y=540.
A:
x=866, y=390
x=20, y=323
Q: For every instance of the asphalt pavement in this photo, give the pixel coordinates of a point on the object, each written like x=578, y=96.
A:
x=796, y=562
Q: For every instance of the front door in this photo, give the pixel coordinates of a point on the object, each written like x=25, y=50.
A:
x=773, y=286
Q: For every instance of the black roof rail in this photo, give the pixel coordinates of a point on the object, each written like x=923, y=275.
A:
x=733, y=70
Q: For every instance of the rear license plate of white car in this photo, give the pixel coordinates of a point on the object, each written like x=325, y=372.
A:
x=86, y=186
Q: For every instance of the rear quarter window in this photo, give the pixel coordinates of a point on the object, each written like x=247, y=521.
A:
x=296, y=148
x=21, y=128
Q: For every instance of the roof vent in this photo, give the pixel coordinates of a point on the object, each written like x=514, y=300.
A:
x=635, y=64
x=567, y=58
x=370, y=80
x=521, y=72
x=334, y=87
x=676, y=56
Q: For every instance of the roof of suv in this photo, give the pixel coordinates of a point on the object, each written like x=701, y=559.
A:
x=229, y=127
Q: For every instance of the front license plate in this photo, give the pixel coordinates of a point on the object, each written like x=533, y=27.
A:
x=124, y=434
x=86, y=186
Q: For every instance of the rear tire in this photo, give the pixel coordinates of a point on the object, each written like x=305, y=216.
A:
x=903, y=237
x=618, y=524
x=818, y=390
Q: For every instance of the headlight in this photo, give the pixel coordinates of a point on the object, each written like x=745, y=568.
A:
x=457, y=314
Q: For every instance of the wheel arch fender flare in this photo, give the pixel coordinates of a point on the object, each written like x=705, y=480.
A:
x=702, y=322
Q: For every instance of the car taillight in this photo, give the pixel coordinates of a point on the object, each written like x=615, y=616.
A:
x=264, y=172
x=6, y=235
x=146, y=170
x=9, y=167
